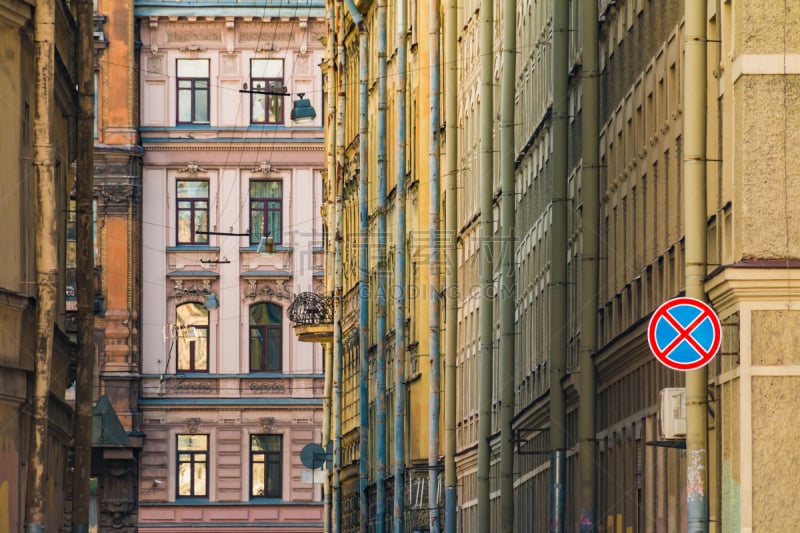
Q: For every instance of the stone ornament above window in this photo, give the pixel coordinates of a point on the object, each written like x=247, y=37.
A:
x=267, y=290
x=182, y=289
x=192, y=424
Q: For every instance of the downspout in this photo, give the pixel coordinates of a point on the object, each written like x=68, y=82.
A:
x=435, y=275
x=46, y=259
x=507, y=279
x=587, y=383
x=329, y=255
x=363, y=270
x=400, y=275
x=451, y=269
x=694, y=197
x=485, y=311
x=558, y=266
x=338, y=273
x=380, y=370
x=84, y=181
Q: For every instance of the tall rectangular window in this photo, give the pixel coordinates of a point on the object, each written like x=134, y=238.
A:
x=266, y=200
x=192, y=471
x=265, y=338
x=265, y=466
x=193, y=86
x=192, y=212
x=192, y=322
x=266, y=75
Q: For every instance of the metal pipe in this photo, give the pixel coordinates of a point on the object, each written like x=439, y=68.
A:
x=84, y=181
x=587, y=384
x=400, y=274
x=46, y=259
x=507, y=274
x=486, y=317
x=435, y=274
x=363, y=267
x=451, y=268
x=380, y=400
x=694, y=197
x=338, y=271
x=558, y=264
x=330, y=73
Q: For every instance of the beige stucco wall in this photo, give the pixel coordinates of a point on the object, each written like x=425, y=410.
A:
x=766, y=185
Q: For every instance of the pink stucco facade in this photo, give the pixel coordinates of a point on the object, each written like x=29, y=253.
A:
x=218, y=385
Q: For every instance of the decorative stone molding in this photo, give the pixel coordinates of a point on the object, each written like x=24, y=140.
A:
x=192, y=425
x=267, y=423
x=256, y=291
x=117, y=197
x=192, y=168
x=191, y=292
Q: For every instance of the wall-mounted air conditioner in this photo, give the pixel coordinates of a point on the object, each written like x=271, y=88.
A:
x=672, y=414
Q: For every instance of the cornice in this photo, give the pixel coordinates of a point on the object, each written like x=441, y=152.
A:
x=767, y=282
x=250, y=147
x=16, y=12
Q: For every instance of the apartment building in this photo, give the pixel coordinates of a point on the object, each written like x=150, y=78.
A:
x=231, y=232
x=38, y=144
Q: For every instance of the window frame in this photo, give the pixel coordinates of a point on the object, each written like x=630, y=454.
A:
x=195, y=239
x=193, y=90
x=192, y=462
x=271, y=458
x=265, y=329
x=269, y=99
x=204, y=331
x=265, y=210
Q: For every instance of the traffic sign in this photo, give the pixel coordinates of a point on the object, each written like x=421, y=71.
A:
x=684, y=333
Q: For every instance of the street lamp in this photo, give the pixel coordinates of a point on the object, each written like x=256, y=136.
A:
x=302, y=110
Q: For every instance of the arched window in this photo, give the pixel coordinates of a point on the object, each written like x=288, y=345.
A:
x=192, y=322
x=265, y=338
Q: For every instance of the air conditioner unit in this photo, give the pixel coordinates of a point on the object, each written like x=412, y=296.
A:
x=672, y=414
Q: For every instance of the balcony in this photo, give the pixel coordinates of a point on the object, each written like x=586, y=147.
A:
x=312, y=316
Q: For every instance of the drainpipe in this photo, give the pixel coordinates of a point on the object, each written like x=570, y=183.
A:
x=558, y=266
x=380, y=400
x=486, y=249
x=327, y=353
x=329, y=253
x=587, y=383
x=694, y=197
x=451, y=267
x=435, y=275
x=400, y=275
x=338, y=272
x=46, y=260
x=363, y=268
x=507, y=279
x=85, y=380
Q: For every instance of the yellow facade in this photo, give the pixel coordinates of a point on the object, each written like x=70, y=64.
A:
x=417, y=291
x=752, y=245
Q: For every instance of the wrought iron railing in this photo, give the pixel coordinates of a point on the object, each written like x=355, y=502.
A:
x=310, y=308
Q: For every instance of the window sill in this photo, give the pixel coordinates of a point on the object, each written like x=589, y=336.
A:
x=192, y=248
x=278, y=248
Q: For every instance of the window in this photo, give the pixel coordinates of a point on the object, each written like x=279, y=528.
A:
x=192, y=322
x=265, y=466
x=266, y=75
x=192, y=465
x=193, y=83
x=192, y=212
x=266, y=200
x=265, y=338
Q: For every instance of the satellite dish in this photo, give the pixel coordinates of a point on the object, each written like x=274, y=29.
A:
x=313, y=456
